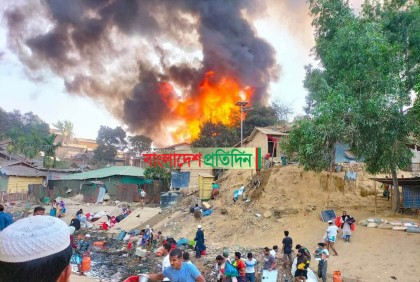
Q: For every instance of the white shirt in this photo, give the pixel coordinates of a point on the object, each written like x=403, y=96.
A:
x=250, y=265
x=332, y=231
x=273, y=253
x=165, y=264
x=326, y=252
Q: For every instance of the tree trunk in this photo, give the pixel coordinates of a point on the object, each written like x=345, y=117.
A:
x=396, y=190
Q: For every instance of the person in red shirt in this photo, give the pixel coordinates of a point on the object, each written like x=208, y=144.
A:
x=240, y=265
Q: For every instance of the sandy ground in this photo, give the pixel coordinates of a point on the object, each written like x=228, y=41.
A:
x=372, y=255
x=290, y=199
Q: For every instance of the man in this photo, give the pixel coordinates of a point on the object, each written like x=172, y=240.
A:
x=323, y=263
x=166, y=262
x=179, y=270
x=240, y=265
x=199, y=242
x=5, y=218
x=274, y=251
x=197, y=213
x=186, y=257
x=269, y=260
x=39, y=210
x=35, y=249
x=287, y=250
x=250, y=263
x=332, y=231
x=306, y=251
x=220, y=268
x=83, y=250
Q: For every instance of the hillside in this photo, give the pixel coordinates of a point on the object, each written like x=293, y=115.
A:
x=292, y=199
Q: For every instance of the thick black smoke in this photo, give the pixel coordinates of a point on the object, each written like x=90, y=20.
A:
x=118, y=51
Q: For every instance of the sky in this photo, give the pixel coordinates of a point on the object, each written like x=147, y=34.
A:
x=285, y=26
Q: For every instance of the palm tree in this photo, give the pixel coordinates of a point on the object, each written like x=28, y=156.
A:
x=49, y=148
x=66, y=129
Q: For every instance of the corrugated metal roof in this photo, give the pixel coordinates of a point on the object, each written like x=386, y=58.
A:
x=24, y=171
x=106, y=172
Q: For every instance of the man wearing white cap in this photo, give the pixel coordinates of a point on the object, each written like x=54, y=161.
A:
x=83, y=250
x=199, y=242
x=332, y=231
x=35, y=249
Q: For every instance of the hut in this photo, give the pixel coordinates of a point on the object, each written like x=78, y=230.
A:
x=16, y=177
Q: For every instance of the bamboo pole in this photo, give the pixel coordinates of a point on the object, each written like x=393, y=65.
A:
x=375, y=196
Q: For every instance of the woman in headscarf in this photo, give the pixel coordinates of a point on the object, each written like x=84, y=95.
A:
x=346, y=222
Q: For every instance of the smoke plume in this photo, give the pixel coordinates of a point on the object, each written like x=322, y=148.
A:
x=120, y=52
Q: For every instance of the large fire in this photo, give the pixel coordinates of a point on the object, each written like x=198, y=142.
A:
x=215, y=102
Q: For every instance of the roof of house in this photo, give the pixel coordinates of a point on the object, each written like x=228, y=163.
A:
x=263, y=130
x=21, y=169
x=106, y=172
x=412, y=181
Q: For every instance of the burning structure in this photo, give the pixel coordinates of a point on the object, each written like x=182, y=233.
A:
x=162, y=67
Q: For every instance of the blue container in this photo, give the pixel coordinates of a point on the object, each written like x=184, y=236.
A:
x=53, y=212
x=121, y=235
x=168, y=198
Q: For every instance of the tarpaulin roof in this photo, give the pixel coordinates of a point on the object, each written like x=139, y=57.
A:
x=21, y=169
x=106, y=172
x=412, y=181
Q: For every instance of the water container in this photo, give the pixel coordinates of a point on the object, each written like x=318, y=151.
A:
x=85, y=263
x=53, y=212
x=337, y=276
x=169, y=198
x=121, y=235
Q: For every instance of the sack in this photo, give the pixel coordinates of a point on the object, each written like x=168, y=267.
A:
x=230, y=270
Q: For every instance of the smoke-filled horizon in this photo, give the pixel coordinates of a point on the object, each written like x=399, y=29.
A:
x=119, y=52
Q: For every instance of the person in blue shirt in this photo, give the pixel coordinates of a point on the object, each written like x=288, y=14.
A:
x=5, y=218
x=179, y=271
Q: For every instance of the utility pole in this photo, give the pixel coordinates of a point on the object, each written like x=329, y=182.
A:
x=242, y=104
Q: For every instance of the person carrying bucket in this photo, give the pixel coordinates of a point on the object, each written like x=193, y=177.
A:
x=82, y=253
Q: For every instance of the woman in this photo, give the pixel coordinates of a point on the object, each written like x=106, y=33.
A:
x=83, y=250
x=346, y=221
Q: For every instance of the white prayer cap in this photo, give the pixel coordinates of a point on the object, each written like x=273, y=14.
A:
x=32, y=238
x=199, y=226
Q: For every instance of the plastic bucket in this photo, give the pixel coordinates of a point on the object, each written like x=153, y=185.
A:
x=53, y=212
x=337, y=276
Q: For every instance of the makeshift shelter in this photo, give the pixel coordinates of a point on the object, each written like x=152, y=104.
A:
x=205, y=186
x=15, y=177
x=111, y=177
x=410, y=190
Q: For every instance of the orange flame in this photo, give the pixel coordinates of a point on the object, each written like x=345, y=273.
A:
x=214, y=102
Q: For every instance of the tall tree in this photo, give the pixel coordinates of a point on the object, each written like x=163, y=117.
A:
x=216, y=135
x=66, y=129
x=139, y=143
x=109, y=140
x=364, y=83
x=49, y=148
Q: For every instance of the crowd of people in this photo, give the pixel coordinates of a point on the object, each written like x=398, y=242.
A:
x=176, y=263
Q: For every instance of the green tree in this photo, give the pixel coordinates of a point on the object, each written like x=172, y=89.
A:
x=359, y=93
x=66, y=129
x=262, y=116
x=158, y=173
x=139, y=143
x=216, y=135
x=49, y=148
x=109, y=142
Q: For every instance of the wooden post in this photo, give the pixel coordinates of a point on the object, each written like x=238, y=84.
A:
x=375, y=196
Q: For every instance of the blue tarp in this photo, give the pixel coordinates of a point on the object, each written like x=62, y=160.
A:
x=411, y=197
x=180, y=179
